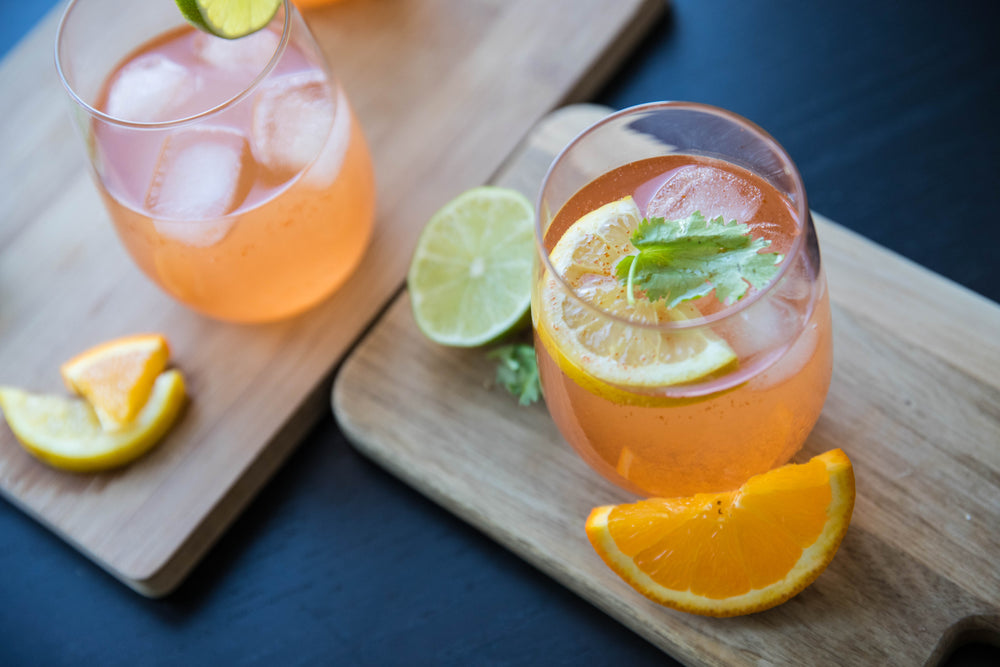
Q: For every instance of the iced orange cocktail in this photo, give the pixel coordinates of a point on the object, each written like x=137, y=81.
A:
x=234, y=171
x=681, y=318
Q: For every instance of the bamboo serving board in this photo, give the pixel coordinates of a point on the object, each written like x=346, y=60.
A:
x=444, y=89
x=915, y=403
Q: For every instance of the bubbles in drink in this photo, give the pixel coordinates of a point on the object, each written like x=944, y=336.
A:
x=198, y=177
x=707, y=189
x=149, y=89
x=194, y=233
x=292, y=119
x=250, y=53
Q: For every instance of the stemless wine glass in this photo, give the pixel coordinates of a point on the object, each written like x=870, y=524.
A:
x=234, y=171
x=672, y=401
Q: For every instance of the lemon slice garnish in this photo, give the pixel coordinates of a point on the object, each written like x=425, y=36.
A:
x=624, y=357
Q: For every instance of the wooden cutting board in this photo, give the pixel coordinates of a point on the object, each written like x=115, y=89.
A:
x=915, y=402
x=444, y=88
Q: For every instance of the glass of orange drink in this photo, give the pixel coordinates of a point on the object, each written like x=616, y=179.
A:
x=680, y=310
x=234, y=171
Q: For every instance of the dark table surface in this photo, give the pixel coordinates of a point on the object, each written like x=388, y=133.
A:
x=892, y=112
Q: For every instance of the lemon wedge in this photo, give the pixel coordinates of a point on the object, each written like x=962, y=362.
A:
x=66, y=432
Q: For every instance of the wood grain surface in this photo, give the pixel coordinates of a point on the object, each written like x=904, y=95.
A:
x=915, y=402
x=444, y=89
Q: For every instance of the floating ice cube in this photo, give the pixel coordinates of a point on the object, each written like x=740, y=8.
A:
x=324, y=170
x=707, y=189
x=149, y=89
x=292, y=119
x=765, y=326
x=792, y=361
x=250, y=53
x=196, y=183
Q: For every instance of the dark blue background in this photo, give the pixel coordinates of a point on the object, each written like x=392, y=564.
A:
x=890, y=110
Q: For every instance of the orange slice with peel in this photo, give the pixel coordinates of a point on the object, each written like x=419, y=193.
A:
x=117, y=376
x=736, y=552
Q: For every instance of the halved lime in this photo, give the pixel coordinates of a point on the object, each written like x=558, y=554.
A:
x=470, y=277
x=230, y=19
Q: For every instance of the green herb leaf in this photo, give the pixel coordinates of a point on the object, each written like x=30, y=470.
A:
x=679, y=260
x=518, y=371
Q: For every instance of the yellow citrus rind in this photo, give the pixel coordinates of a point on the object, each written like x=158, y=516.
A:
x=66, y=433
x=623, y=396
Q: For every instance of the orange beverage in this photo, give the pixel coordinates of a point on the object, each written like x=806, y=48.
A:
x=308, y=4
x=673, y=401
x=234, y=171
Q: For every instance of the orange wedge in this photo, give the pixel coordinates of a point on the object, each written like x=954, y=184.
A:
x=117, y=377
x=731, y=553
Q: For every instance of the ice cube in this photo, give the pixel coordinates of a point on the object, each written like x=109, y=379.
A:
x=324, y=170
x=250, y=53
x=198, y=177
x=707, y=189
x=149, y=89
x=792, y=360
x=292, y=119
x=765, y=326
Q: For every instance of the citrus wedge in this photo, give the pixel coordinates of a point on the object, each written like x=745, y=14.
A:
x=732, y=553
x=229, y=19
x=470, y=276
x=66, y=433
x=117, y=376
x=611, y=356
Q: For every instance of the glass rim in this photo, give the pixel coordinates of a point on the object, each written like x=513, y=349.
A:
x=727, y=311
x=176, y=122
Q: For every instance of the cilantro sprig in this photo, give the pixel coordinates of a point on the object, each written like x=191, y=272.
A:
x=680, y=260
x=517, y=371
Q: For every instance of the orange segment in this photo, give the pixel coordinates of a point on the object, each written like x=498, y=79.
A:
x=117, y=377
x=731, y=553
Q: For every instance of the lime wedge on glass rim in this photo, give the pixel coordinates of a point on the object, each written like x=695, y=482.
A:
x=230, y=19
x=470, y=276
